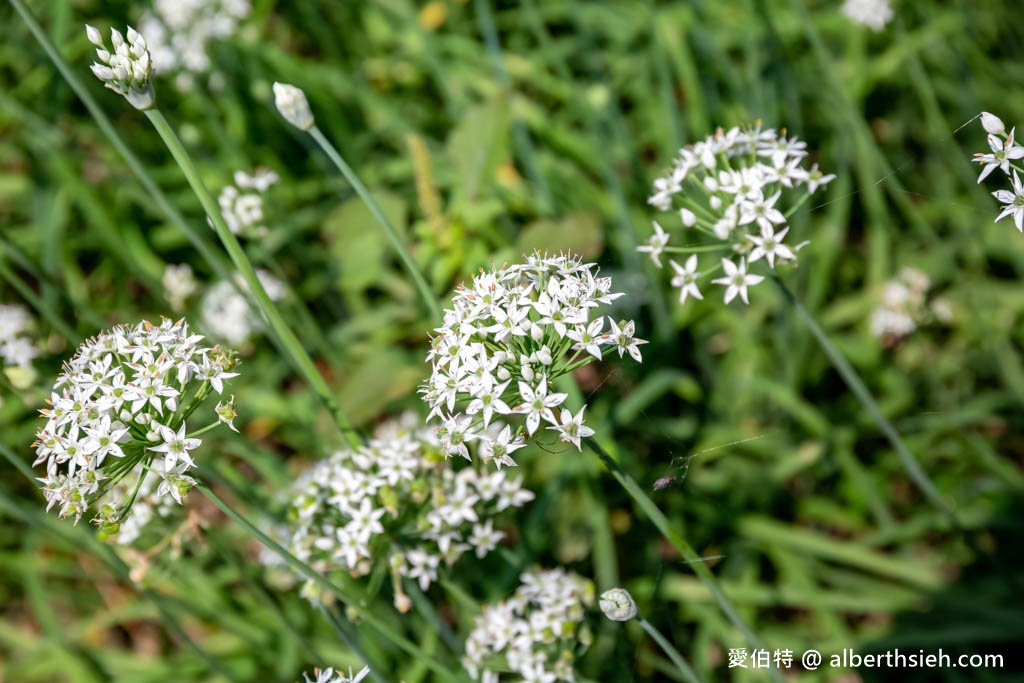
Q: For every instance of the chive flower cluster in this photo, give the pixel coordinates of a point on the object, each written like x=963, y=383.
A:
x=394, y=498
x=508, y=336
x=537, y=631
x=118, y=411
x=729, y=192
x=1004, y=153
x=127, y=70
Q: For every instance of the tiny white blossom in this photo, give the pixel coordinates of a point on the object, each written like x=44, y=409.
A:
x=1014, y=202
x=874, y=14
x=655, y=244
x=736, y=280
x=686, y=279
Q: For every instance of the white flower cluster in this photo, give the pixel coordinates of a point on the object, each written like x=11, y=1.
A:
x=1005, y=151
x=180, y=31
x=227, y=314
x=128, y=69
x=241, y=204
x=331, y=676
x=874, y=14
x=394, y=497
x=16, y=347
x=905, y=306
x=506, y=339
x=120, y=407
x=727, y=188
x=537, y=630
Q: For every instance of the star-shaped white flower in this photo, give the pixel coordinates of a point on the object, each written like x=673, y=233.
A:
x=656, y=244
x=769, y=245
x=737, y=280
x=1014, y=202
x=176, y=446
x=686, y=279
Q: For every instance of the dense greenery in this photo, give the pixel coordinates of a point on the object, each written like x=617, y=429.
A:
x=486, y=131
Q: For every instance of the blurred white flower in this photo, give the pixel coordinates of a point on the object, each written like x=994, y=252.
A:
x=904, y=306
x=179, y=284
x=874, y=14
x=17, y=348
x=227, y=315
x=180, y=32
x=537, y=631
x=396, y=499
x=242, y=206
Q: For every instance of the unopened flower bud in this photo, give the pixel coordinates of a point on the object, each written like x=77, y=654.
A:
x=992, y=123
x=293, y=106
x=617, y=604
x=688, y=217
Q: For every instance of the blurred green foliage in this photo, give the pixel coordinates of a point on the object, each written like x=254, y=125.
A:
x=546, y=137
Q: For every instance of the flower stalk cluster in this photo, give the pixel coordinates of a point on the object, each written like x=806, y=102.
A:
x=128, y=69
x=537, y=631
x=1004, y=154
x=119, y=411
x=731, y=191
x=395, y=499
x=507, y=337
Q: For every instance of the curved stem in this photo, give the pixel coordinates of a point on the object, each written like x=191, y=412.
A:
x=853, y=380
x=673, y=654
x=679, y=543
x=286, y=338
x=378, y=214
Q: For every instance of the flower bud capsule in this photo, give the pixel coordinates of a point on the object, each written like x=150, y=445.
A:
x=618, y=605
x=293, y=106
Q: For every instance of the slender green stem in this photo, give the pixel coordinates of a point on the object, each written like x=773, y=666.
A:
x=378, y=214
x=286, y=338
x=194, y=234
x=26, y=293
x=853, y=380
x=308, y=572
x=349, y=639
x=673, y=654
x=685, y=550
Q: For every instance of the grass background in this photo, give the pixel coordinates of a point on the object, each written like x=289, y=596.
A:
x=487, y=130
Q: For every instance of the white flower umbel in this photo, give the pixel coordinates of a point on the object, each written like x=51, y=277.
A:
x=734, y=192
x=241, y=204
x=1004, y=154
x=874, y=14
x=293, y=106
x=180, y=33
x=332, y=676
x=228, y=316
x=118, y=412
x=507, y=337
x=537, y=631
x=127, y=70
x=396, y=499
